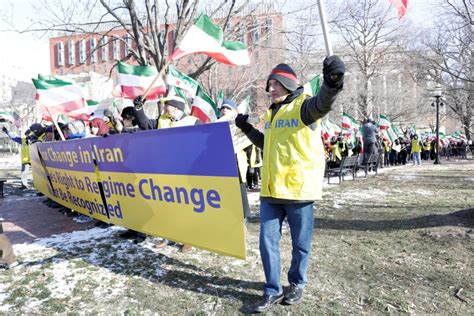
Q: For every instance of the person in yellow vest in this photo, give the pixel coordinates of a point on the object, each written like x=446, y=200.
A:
x=25, y=155
x=335, y=152
x=426, y=149
x=174, y=116
x=292, y=174
x=416, y=150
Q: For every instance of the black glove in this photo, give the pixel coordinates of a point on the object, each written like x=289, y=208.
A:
x=138, y=102
x=4, y=129
x=333, y=71
x=241, y=122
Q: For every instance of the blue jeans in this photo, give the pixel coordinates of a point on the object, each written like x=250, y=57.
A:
x=416, y=158
x=301, y=220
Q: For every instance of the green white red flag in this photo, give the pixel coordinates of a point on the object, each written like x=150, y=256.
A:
x=329, y=129
x=56, y=97
x=243, y=107
x=204, y=37
x=347, y=121
x=384, y=122
x=220, y=98
x=312, y=87
x=401, y=6
x=203, y=107
x=134, y=80
x=458, y=136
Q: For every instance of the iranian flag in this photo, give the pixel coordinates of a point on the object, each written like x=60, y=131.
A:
x=401, y=6
x=384, y=122
x=204, y=108
x=178, y=79
x=312, y=87
x=346, y=121
x=57, y=97
x=329, y=129
x=204, y=37
x=243, y=107
x=458, y=136
x=220, y=98
x=135, y=80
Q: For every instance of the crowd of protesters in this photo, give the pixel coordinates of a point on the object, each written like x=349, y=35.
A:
x=408, y=148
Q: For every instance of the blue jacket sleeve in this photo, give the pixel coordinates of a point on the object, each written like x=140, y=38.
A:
x=14, y=137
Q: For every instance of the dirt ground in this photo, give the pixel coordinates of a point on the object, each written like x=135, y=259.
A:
x=398, y=242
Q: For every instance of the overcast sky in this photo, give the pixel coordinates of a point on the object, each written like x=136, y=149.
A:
x=27, y=55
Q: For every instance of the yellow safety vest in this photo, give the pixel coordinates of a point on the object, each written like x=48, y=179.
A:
x=164, y=121
x=293, y=155
x=415, y=146
x=336, y=151
x=25, y=151
x=426, y=146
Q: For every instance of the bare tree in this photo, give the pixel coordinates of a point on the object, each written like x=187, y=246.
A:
x=153, y=26
x=374, y=39
x=450, y=60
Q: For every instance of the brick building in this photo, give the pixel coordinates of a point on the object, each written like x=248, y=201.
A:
x=260, y=28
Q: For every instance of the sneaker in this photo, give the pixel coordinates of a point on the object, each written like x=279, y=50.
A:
x=265, y=303
x=293, y=295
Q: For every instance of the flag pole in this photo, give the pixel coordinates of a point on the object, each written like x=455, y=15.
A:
x=56, y=124
x=156, y=78
x=324, y=26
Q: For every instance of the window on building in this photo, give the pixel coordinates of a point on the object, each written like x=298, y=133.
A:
x=116, y=48
x=268, y=29
x=255, y=32
x=170, y=42
x=60, y=53
x=240, y=31
x=93, y=50
x=82, y=51
x=104, y=49
x=71, y=53
x=128, y=43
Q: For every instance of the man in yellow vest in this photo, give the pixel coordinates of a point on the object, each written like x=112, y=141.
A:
x=416, y=150
x=25, y=156
x=426, y=149
x=292, y=173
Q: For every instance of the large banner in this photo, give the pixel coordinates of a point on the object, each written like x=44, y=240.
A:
x=178, y=183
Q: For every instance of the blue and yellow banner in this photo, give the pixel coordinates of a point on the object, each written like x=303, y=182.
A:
x=178, y=183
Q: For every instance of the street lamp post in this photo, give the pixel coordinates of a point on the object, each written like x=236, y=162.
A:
x=437, y=93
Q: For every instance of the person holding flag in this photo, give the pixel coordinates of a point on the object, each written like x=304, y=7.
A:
x=292, y=173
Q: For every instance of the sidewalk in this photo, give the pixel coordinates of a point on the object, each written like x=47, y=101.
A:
x=26, y=218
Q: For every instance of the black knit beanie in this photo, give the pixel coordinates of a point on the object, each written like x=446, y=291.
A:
x=284, y=75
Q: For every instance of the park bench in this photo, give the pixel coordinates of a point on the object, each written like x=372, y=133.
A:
x=371, y=164
x=348, y=165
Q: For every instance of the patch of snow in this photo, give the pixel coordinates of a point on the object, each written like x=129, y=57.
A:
x=408, y=177
x=363, y=194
